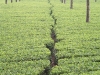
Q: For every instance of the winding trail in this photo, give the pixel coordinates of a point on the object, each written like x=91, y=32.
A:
x=53, y=59
x=51, y=46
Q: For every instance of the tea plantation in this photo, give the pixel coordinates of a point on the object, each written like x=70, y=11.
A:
x=31, y=30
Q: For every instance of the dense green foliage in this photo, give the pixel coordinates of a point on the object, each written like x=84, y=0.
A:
x=78, y=52
x=25, y=29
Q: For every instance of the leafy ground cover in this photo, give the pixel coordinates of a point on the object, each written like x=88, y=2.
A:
x=25, y=28
x=78, y=52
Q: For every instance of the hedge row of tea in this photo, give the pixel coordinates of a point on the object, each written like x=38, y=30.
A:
x=79, y=51
x=25, y=29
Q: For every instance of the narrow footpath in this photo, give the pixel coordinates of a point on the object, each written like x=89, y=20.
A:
x=51, y=46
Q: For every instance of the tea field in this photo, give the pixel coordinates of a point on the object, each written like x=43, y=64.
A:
x=25, y=29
